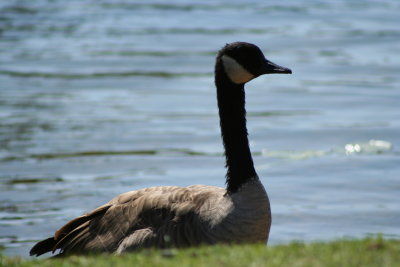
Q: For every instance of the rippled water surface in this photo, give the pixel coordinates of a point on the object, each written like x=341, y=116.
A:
x=102, y=97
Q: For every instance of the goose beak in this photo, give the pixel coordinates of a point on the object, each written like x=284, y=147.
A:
x=270, y=67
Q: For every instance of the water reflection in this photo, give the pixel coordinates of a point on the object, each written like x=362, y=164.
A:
x=101, y=97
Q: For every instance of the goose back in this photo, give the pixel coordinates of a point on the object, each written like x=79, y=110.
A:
x=167, y=216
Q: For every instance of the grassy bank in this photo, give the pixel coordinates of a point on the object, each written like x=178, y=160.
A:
x=366, y=252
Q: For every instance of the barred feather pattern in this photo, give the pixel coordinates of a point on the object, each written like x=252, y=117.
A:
x=167, y=216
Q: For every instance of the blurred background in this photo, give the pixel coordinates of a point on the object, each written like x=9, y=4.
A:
x=102, y=97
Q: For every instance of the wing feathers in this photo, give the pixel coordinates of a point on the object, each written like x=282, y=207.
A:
x=158, y=216
x=78, y=221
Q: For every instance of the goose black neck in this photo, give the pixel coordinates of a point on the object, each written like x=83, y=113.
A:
x=232, y=113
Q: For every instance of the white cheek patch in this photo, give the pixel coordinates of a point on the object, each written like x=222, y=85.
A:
x=235, y=71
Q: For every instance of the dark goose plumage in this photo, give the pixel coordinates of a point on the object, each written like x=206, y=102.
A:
x=171, y=216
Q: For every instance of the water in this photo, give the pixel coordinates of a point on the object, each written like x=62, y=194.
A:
x=102, y=97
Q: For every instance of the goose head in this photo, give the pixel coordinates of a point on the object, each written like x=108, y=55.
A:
x=243, y=62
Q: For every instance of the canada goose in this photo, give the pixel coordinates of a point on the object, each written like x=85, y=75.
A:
x=172, y=216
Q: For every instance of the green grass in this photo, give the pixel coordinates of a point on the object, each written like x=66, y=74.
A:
x=366, y=252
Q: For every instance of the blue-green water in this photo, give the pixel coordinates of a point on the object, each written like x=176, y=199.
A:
x=101, y=97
